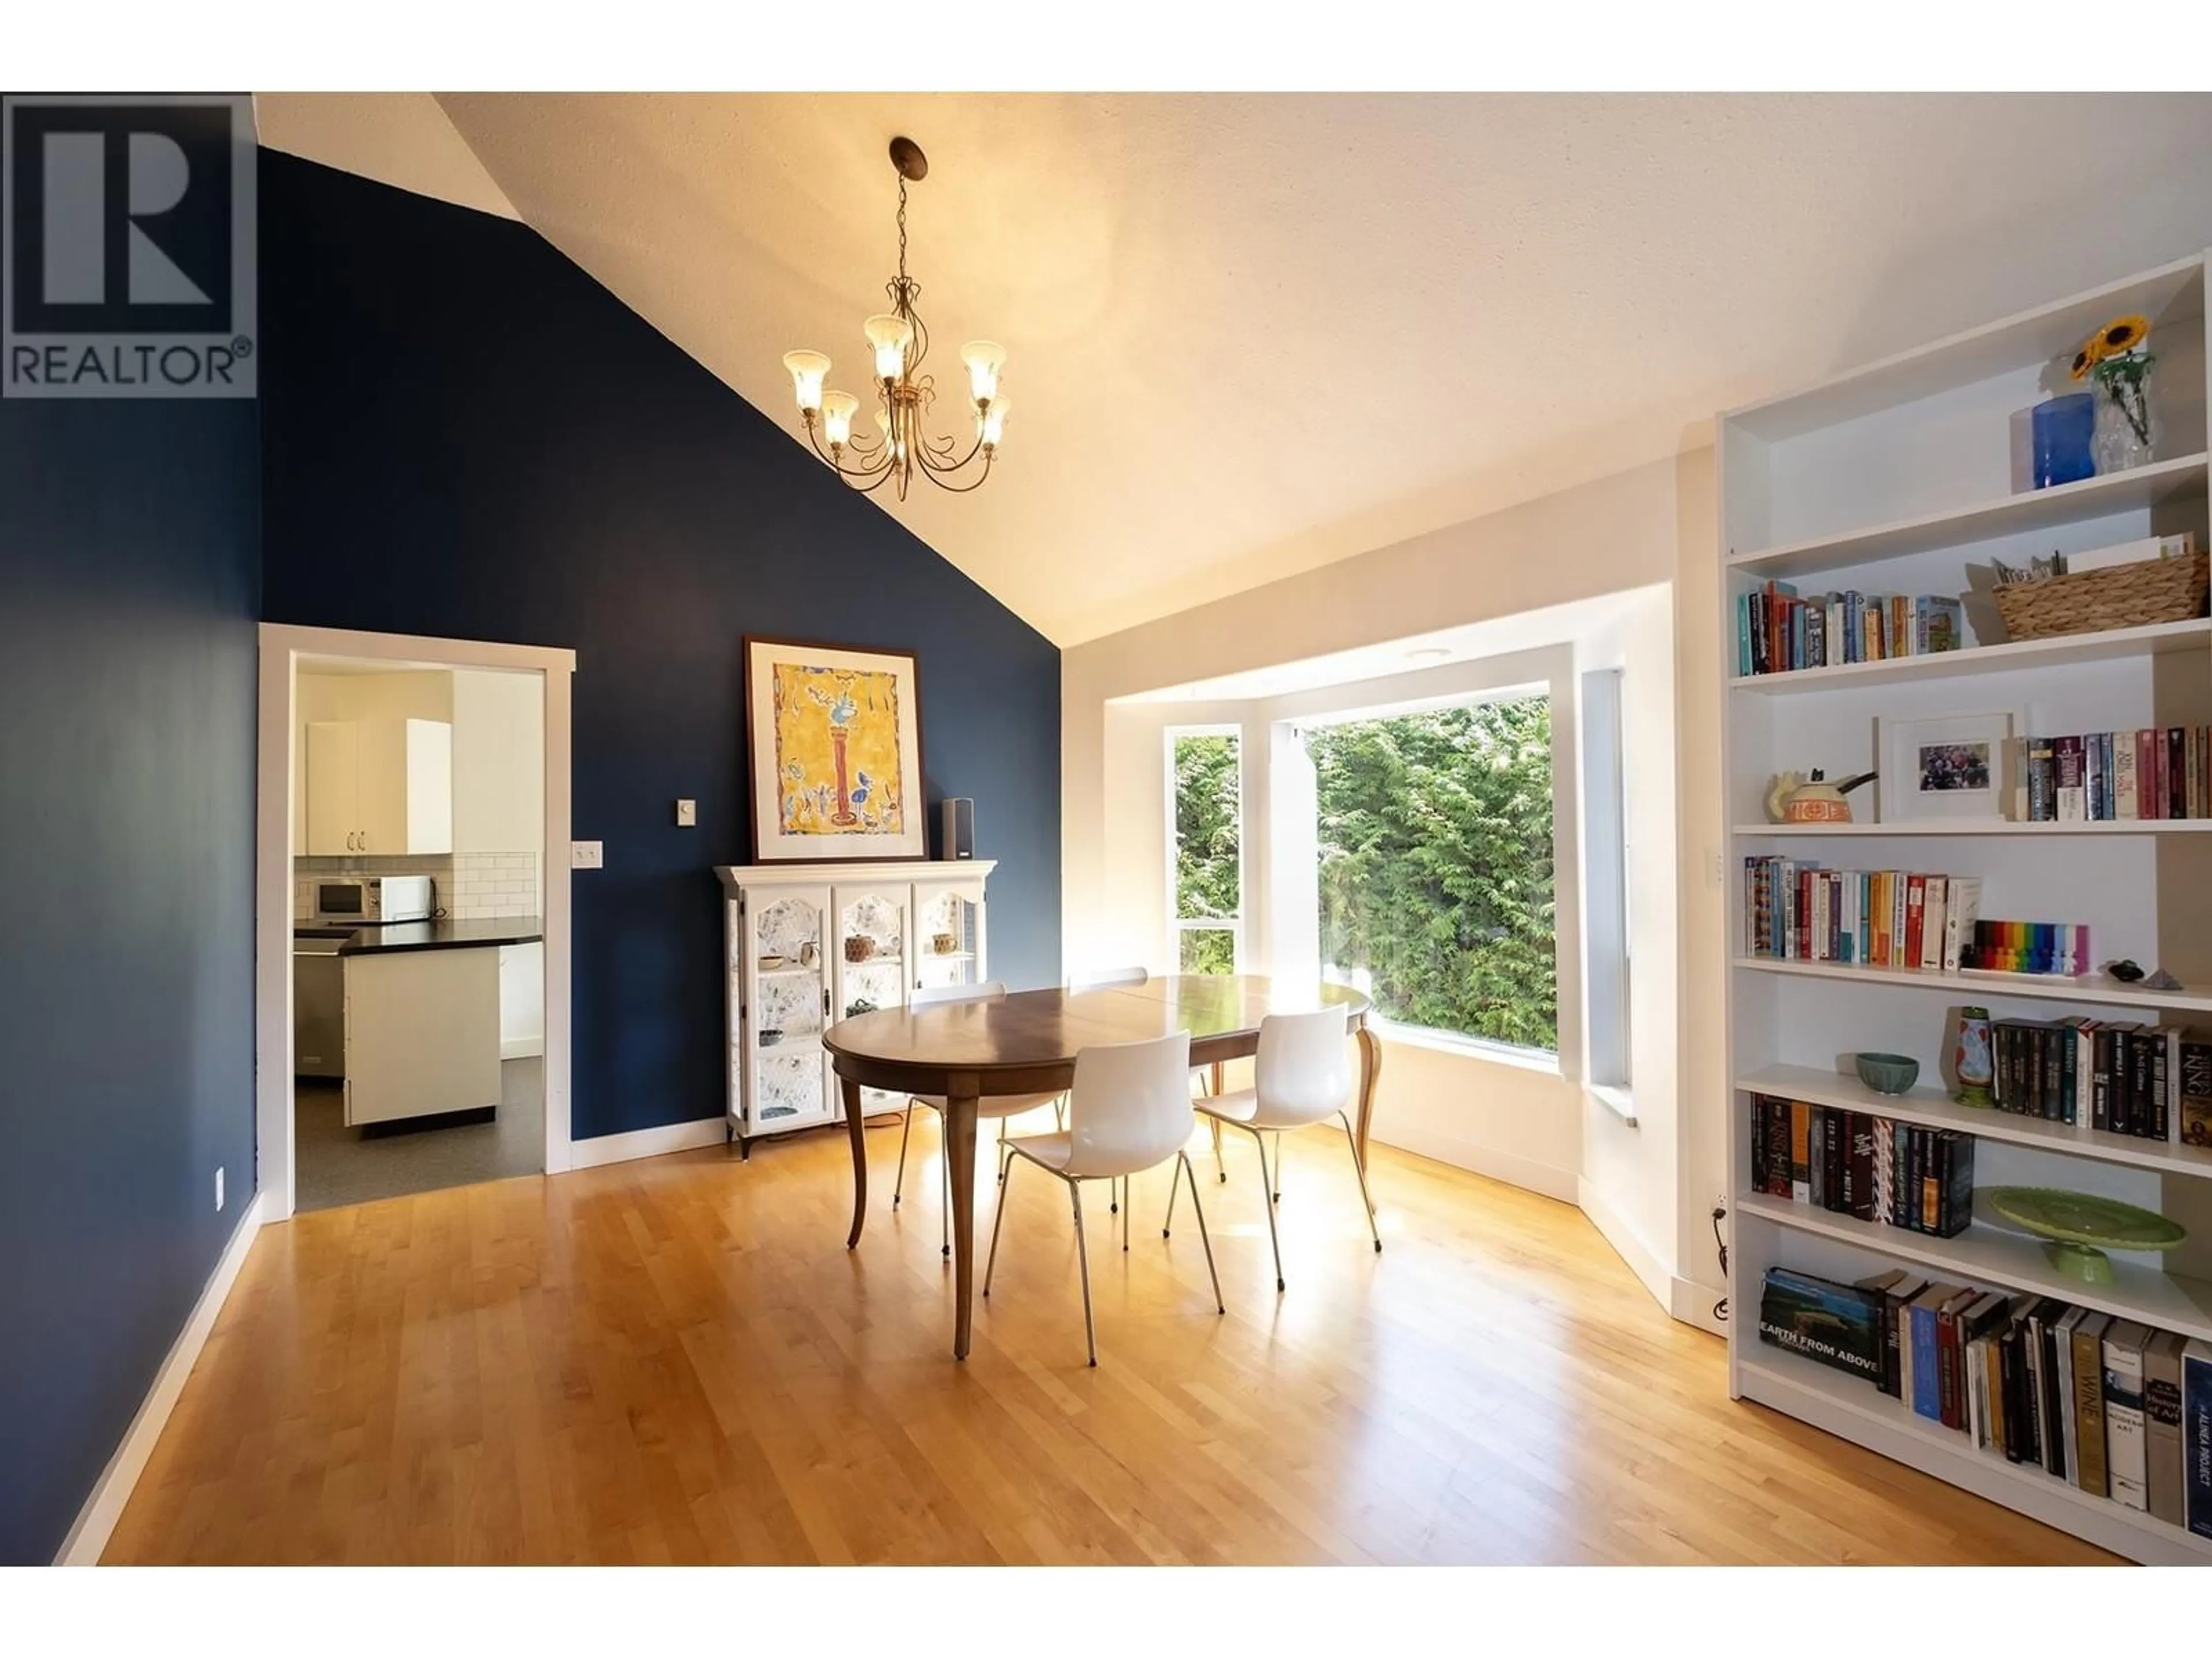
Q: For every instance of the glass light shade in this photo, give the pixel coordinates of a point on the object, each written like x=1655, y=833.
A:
x=984, y=358
x=837, y=411
x=889, y=337
x=994, y=422
x=808, y=370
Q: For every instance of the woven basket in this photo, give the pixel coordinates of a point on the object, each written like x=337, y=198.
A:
x=2123, y=596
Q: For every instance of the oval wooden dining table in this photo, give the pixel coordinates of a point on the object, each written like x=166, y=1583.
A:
x=1025, y=1044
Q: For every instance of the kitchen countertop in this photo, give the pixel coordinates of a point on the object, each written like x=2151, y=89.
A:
x=426, y=935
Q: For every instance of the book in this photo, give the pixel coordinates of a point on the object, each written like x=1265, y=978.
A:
x=2193, y=1100
x=1978, y=1407
x=2162, y=1426
x=2070, y=1419
x=2042, y=1327
x=1950, y=1359
x=2196, y=1436
x=2124, y=804
x=1927, y=1396
x=2124, y=1411
x=1938, y=901
x=2089, y=1443
x=2066, y=757
x=1837, y=1325
x=1961, y=917
x=1897, y=1287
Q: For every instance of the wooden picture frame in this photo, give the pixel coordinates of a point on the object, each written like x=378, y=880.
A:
x=833, y=753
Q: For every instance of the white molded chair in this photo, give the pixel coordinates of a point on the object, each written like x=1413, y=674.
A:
x=1302, y=1077
x=1103, y=978
x=1129, y=1110
x=1001, y=1107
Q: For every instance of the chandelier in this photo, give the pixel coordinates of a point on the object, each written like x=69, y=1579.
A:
x=897, y=343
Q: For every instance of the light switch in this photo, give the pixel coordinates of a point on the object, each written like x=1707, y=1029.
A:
x=586, y=855
x=687, y=814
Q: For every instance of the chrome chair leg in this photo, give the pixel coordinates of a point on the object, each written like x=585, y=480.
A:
x=1126, y=1207
x=1222, y=1168
x=907, y=1129
x=991, y=1264
x=1113, y=1195
x=1359, y=1167
x=1267, y=1186
x=1173, y=1191
x=1083, y=1257
x=1278, y=1191
x=1191, y=1174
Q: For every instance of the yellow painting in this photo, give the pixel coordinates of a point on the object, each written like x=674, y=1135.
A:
x=837, y=760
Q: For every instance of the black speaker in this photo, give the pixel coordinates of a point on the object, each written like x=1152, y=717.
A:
x=957, y=839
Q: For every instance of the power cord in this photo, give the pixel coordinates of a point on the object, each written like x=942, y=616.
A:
x=1720, y=1211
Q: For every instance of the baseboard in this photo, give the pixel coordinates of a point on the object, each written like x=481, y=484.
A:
x=1613, y=1227
x=656, y=1142
x=95, y=1522
x=1508, y=1167
x=1692, y=1304
x=527, y=1047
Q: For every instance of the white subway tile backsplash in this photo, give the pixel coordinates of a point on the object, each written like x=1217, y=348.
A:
x=470, y=886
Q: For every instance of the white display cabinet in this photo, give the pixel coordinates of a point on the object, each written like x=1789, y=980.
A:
x=808, y=945
x=1899, y=478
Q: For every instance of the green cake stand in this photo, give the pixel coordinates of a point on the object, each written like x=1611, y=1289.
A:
x=2077, y=1224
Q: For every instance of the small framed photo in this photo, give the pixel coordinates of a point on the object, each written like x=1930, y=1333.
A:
x=1953, y=766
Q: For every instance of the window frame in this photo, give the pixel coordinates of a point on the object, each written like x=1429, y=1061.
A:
x=1434, y=1036
x=1178, y=925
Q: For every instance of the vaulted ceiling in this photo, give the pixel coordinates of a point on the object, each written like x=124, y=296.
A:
x=1249, y=335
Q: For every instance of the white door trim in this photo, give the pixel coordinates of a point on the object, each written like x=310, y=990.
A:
x=282, y=646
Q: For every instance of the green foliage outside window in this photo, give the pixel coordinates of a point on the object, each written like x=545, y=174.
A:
x=1206, y=883
x=1435, y=834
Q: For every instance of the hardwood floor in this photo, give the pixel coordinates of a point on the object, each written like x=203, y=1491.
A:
x=677, y=1361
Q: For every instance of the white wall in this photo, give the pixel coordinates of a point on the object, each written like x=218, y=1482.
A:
x=498, y=765
x=1635, y=530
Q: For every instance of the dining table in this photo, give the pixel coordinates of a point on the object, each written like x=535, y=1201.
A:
x=1026, y=1043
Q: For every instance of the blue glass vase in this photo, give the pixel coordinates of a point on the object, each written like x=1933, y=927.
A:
x=2064, y=428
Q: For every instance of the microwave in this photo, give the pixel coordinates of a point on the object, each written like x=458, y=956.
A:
x=373, y=899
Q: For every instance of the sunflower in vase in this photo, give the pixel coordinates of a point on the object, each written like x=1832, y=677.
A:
x=2116, y=357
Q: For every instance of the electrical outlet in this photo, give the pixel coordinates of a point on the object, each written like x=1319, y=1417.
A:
x=218, y=1188
x=687, y=814
x=588, y=855
x=1716, y=870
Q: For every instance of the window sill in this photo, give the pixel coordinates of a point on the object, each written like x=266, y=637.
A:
x=1446, y=1042
x=1617, y=1101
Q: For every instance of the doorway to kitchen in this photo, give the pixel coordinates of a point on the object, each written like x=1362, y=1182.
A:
x=412, y=915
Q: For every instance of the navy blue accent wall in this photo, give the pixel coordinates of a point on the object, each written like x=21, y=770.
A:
x=128, y=583
x=467, y=436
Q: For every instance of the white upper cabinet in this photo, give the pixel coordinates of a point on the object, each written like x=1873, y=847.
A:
x=380, y=787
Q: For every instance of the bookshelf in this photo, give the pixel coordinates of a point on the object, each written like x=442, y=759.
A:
x=1907, y=476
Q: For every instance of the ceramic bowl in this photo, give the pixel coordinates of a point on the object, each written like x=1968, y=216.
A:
x=1888, y=1074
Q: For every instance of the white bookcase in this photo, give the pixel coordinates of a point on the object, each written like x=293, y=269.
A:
x=1895, y=479
x=805, y=945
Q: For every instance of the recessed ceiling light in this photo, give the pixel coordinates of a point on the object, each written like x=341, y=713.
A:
x=1427, y=653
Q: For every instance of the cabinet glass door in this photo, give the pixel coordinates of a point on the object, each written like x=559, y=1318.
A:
x=948, y=934
x=788, y=967
x=873, y=934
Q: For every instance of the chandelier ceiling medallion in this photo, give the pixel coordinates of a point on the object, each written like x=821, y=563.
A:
x=898, y=343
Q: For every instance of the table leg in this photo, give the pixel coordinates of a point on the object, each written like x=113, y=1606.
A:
x=855, y=1132
x=960, y=1155
x=1370, y=1072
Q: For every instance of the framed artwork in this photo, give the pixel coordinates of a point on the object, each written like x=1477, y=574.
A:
x=833, y=742
x=1954, y=766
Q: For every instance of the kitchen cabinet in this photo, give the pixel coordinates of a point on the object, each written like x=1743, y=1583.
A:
x=808, y=945
x=379, y=786
x=421, y=1033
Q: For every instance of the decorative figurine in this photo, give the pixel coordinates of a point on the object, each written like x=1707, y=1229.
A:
x=1791, y=799
x=2125, y=970
x=1971, y=1059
